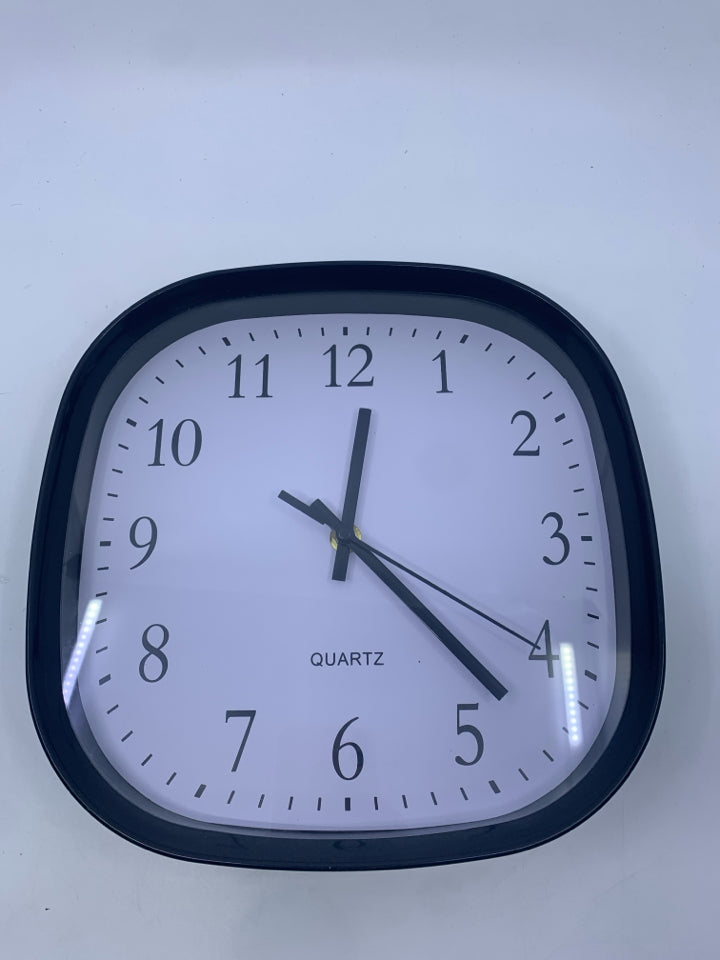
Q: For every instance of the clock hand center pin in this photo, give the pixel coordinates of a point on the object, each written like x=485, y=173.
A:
x=335, y=542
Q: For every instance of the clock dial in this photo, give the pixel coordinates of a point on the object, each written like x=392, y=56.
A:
x=345, y=573
x=230, y=678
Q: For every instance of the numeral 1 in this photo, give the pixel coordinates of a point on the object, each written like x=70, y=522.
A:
x=443, y=373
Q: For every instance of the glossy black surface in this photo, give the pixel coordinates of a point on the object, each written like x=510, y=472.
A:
x=419, y=289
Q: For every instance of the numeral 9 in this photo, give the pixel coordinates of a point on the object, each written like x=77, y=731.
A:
x=149, y=543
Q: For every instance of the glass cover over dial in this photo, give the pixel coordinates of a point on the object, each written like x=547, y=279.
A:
x=342, y=578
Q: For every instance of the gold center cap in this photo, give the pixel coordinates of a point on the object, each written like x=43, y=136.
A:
x=334, y=539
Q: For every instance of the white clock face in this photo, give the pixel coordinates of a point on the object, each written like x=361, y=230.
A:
x=224, y=673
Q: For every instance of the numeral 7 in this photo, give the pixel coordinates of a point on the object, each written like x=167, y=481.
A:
x=249, y=716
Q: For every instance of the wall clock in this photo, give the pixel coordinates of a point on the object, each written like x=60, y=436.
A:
x=341, y=566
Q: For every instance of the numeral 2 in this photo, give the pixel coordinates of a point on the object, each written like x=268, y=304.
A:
x=520, y=450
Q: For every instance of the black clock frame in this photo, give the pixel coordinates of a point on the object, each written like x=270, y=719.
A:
x=375, y=287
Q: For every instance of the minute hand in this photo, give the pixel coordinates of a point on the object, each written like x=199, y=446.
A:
x=352, y=491
x=322, y=514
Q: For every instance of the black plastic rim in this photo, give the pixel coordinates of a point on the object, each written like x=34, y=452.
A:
x=373, y=287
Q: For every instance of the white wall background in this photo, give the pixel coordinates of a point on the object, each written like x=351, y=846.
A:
x=573, y=146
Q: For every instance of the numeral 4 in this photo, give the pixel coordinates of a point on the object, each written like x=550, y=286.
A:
x=548, y=656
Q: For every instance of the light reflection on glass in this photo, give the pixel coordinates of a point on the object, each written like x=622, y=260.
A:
x=570, y=689
x=87, y=627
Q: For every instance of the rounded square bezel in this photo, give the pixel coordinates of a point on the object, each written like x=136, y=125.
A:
x=419, y=289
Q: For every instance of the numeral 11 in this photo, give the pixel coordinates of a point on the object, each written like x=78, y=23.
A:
x=265, y=363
